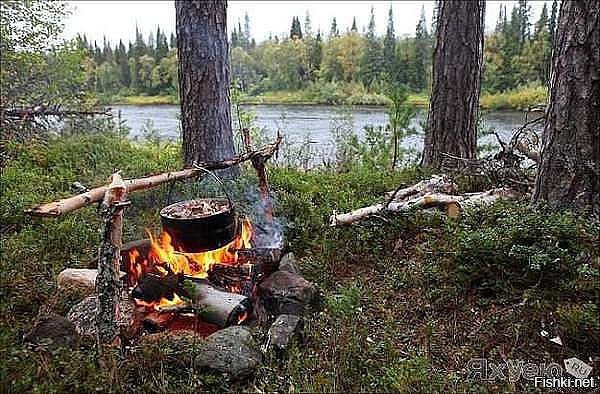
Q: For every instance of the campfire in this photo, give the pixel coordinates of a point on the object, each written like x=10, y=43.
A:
x=210, y=269
x=215, y=287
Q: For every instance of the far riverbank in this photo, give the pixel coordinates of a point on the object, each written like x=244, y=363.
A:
x=520, y=99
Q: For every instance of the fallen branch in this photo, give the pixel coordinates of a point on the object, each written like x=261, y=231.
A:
x=426, y=197
x=66, y=205
x=28, y=113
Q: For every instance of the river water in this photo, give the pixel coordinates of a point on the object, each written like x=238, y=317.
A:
x=307, y=125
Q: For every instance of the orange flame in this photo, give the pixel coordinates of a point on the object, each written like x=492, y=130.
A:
x=162, y=258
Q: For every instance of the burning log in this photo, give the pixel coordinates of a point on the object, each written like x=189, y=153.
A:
x=213, y=305
x=451, y=203
x=235, y=278
x=108, y=284
x=66, y=205
x=152, y=287
x=252, y=266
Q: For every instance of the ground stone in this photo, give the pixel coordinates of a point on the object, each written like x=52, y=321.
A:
x=82, y=280
x=54, y=331
x=83, y=316
x=287, y=293
x=231, y=351
x=283, y=331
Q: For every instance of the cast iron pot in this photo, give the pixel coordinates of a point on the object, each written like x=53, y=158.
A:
x=199, y=234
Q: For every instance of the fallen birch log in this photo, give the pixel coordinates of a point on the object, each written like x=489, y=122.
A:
x=66, y=205
x=452, y=203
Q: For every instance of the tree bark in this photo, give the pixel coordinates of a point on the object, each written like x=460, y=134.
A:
x=569, y=167
x=204, y=80
x=457, y=64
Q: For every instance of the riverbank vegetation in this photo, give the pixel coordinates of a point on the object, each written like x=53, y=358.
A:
x=330, y=67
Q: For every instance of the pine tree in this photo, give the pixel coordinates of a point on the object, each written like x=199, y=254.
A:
x=334, y=32
x=372, y=59
x=389, y=46
x=354, y=28
x=434, y=17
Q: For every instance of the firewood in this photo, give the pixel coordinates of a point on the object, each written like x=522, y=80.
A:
x=152, y=287
x=66, y=205
x=214, y=305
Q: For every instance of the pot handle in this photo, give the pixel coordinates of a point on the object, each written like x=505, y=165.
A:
x=219, y=181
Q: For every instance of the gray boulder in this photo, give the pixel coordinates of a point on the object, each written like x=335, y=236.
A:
x=283, y=331
x=231, y=351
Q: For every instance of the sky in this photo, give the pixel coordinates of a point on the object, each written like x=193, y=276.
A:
x=117, y=19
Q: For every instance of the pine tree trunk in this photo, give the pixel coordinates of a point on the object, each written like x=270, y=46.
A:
x=203, y=53
x=570, y=156
x=454, y=103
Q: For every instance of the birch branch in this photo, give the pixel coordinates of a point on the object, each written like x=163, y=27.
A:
x=452, y=203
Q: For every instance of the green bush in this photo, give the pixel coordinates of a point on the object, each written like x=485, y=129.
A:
x=516, y=246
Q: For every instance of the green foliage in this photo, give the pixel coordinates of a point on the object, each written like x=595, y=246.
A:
x=580, y=322
x=345, y=303
x=38, y=69
x=521, y=98
x=515, y=246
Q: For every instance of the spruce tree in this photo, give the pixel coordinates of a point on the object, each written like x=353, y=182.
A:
x=371, y=62
x=307, y=25
x=334, y=32
x=247, y=31
x=123, y=65
x=234, y=38
x=162, y=48
x=552, y=22
x=172, y=41
x=419, y=73
x=354, y=28
x=389, y=46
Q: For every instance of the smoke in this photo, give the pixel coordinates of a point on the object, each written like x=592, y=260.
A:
x=269, y=231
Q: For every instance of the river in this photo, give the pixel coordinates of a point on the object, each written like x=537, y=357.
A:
x=307, y=125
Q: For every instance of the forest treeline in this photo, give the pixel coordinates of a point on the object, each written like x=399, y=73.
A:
x=331, y=65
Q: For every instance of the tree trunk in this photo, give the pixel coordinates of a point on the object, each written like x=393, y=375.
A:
x=454, y=104
x=203, y=53
x=570, y=157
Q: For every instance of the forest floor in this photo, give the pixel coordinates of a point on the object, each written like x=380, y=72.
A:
x=408, y=301
x=519, y=99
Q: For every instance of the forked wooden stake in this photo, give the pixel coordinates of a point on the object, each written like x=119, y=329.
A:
x=108, y=284
x=258, y=162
